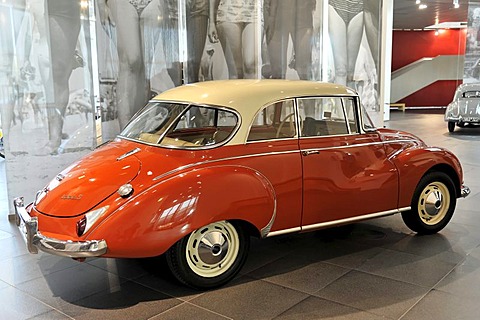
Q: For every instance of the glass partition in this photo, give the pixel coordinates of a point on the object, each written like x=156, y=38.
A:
x=46, y=89
x=72, y=71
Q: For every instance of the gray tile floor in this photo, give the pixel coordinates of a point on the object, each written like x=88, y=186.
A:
x=372, y=270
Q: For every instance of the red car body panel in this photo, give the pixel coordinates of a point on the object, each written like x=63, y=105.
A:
x=350, y=175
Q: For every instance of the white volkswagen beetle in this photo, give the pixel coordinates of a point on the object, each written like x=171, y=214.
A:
x=464, y=110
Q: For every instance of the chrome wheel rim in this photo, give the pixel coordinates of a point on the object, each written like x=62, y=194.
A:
x=433, y=203
x=213, y=249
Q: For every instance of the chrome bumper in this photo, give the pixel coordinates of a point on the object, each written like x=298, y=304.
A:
x=465, y=191
x=28, y=227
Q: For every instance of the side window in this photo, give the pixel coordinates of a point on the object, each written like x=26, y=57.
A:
x=276, y=121
x=322, y=116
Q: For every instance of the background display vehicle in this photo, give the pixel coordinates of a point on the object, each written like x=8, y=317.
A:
x=204, y=167
x=464, y=110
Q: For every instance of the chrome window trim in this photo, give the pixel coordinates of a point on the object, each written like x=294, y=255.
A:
x=331, y=136
x=272, y=140
x=345, y=118
x=263, y=108
x=356, y=113
x=337, y=222
x=360, y=110
x=297, y=114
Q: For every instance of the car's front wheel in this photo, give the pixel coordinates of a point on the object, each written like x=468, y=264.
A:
x=451, y=126
x=432, y=204
x=210, y=256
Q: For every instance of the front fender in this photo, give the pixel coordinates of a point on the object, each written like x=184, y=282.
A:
x=414, y=163
x=151, y=222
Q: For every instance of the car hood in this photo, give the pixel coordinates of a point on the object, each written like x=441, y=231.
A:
x=87, y=182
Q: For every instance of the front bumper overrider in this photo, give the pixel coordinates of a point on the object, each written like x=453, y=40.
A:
x=28, y=227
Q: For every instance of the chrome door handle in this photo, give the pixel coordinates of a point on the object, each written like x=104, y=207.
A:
x=309, y=152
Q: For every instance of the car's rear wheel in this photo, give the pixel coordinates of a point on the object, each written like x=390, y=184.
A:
x=210, y=256
x=451, y=126
x=432, y=204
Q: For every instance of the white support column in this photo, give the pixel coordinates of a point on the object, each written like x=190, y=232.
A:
x=386, y=58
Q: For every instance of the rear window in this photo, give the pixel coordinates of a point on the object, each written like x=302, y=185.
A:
x=182, y=126
x=471, y=94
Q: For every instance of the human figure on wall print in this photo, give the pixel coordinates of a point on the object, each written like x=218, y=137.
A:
x=64, y=28
x=345, y=27
x=355, y=66
x=131, y=18
x=285, y=19
x=235, y=23
x=197, y=12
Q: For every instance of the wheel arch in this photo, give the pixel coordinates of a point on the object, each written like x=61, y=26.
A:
x=414, y=163
x=445, y=168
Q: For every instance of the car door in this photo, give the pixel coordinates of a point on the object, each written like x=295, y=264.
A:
x=346, y=173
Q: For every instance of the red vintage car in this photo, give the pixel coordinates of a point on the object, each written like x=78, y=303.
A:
x=204, y=167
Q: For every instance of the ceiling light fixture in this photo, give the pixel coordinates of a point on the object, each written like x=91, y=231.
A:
x=417, y=2
x=422, y=6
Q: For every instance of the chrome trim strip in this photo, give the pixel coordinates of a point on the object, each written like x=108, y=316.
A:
x=222, y=159
x=265, y=230
x=34, y=240
x=349, y=220
x=271, y=153
x=128, y=154
x=465, y=191
x=336, y=222
x=357, y=145
x=284, y=231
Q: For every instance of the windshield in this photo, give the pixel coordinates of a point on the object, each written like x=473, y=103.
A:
x=181, y=126
x=367, y=122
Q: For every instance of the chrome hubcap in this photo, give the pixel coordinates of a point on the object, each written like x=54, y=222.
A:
x=213, y=249
x=433, y=203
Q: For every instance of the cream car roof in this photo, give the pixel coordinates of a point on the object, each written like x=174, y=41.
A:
x=247, y=97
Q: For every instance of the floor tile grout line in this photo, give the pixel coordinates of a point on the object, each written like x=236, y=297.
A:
x=432, y=288
x=165, y=293
x=42, y=302
x=189, y=303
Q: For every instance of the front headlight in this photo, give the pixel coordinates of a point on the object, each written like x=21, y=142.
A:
x=84, y=224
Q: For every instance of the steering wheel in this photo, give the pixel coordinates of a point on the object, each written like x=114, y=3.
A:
x=292, y=124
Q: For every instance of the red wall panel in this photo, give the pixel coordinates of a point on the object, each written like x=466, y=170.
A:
x=410, y=46
x=437, y=94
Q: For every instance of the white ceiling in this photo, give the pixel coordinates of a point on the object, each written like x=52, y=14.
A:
x=406, y=14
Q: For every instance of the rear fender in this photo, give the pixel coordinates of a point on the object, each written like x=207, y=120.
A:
x=151, y=222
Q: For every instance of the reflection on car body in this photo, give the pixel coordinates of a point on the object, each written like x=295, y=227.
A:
x=204, y=167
